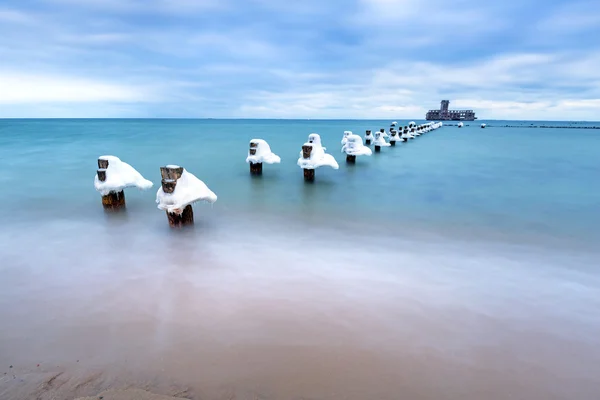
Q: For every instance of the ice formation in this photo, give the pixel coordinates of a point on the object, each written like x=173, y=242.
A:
x=411, y=124
x=483, y=125
x=318, y=157
x=354, y=147
x=395, y=136
x=394, y=123
x=460, y=124
x=369, y=136
x=262, y=153
x=345, y=138
x=188, y=190
x=119, y=175
x=380, y=140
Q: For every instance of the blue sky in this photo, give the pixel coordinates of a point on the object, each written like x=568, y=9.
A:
x=307, y=59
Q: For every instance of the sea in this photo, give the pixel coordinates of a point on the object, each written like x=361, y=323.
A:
x=463, y=264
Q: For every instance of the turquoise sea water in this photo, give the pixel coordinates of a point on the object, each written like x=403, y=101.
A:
x=518, y=183
x=477, y=244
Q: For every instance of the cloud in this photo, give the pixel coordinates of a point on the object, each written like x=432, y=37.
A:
x=310, y=59
x=16, y=87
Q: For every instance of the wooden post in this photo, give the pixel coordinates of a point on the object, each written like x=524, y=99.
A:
x=170, y=175
x=113, y=201
x=350, y=159
x=392, y=143
x=377, y=149
x=256, y=169
x=309, y=174
x=183, y=219
x=171, y=172
x=368, y=141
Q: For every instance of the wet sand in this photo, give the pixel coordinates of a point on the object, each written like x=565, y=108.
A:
x=209, y=320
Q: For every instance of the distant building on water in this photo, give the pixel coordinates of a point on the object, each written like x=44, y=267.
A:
x=443, y=114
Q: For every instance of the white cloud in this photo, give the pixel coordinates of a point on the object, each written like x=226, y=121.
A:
x=495, y=88
x=18, y=88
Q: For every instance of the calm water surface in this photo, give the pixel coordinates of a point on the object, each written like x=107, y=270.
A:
x=460, y=265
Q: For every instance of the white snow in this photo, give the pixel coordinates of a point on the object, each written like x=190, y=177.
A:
x=188, y=190
x=318, y=157
x=460, y=124
x=411, y=124
x=380, y=140
x=395, y=137
x=345, y=138
x=119, y=175
x=263, y=153
x=354, y=147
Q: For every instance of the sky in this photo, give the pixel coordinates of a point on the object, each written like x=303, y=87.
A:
x=511, y=59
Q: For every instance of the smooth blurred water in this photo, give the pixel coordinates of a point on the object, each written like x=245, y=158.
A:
x=524, y=183
x=459, y=262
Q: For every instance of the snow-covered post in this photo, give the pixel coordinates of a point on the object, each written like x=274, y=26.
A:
x=393, y=137
x=309, y=173
x=255, y=168
x=354, y=147
x=113, y=200
x=114, y=175
x=179, y=189
x=313, y=156
x=259, y=153
x=368, y=137
x=170, y=174
x=380, y=141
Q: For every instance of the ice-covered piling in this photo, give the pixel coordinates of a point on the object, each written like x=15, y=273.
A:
x=380, y=141
x=179, y=190
x=313, y=156
x=114, y=175
x=405, y=134
x=259, y=153
x=354, y=147
x=394, y=136
x=483, y=126
x=368, y=137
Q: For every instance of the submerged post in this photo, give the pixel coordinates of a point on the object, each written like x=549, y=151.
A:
x=309, y=173
x=350, y=159
x=170, y=174
x=255, y=168
x=368, y=137
x=377, y=149
x=113, y=201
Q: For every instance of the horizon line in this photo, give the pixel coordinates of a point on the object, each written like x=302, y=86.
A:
x=276, y=119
